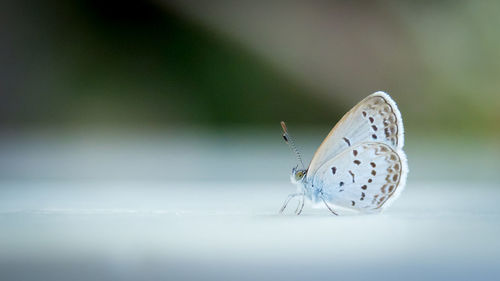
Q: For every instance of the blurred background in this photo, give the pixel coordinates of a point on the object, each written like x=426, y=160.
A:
x=110, y=108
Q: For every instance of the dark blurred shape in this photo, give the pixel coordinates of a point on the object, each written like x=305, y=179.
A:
x=128, y=64
x=128, y=13
x=133, y=63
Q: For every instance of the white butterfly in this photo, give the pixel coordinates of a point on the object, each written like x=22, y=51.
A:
x=360, y=165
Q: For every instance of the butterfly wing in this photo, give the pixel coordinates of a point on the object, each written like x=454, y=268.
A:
x=375, y=119
x=365, y=177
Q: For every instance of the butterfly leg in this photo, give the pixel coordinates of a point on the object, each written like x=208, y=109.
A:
x=298, y=211
x=326, y=204
x=290, y=197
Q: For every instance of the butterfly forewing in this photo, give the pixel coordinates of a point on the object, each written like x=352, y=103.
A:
x=374, y=119
x=364, y=177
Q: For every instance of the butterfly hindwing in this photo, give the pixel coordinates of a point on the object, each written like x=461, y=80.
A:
x=363, y=177
x=375, y=119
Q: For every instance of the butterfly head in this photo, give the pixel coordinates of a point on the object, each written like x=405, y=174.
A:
x=297, y=175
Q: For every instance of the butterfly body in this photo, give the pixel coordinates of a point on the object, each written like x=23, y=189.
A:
x=360, y=165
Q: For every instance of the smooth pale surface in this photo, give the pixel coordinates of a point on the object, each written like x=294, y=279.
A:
x=206, y=208
x=209, y=231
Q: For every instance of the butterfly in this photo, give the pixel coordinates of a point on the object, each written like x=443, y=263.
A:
x=360, y=165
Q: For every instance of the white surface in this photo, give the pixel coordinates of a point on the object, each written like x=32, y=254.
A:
x=205, y=207
x=213, y=231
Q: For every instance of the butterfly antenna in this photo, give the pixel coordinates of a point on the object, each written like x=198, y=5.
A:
x=289, y=140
